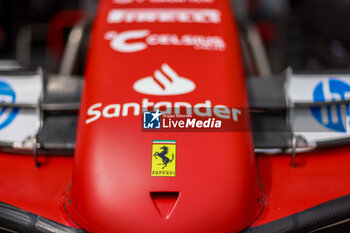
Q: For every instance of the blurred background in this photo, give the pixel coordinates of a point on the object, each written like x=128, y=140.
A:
x=304, y=34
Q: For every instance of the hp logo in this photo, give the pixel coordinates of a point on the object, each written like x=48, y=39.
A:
x=332, y=117
x=7, y=95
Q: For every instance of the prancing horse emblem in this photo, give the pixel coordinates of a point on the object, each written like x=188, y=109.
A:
x=162, y=155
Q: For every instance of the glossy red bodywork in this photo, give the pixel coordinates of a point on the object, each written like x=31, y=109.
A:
x=37, y=190
x=319, y=177
x=216, y=173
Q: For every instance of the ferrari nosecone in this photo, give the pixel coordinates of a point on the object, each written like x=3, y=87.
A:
x=127, y=180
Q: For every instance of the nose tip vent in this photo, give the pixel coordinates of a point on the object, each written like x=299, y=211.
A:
x=164, y=202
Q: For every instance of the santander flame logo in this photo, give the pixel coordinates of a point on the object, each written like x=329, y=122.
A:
x=164, y=82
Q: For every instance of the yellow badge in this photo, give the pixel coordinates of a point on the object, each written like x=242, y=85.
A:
x=164, y=158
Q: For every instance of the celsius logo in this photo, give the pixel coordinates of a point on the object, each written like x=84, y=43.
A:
x=332, y=116
x=7, y=95
x=124, y=42
x=151, y=120
x=165, y=82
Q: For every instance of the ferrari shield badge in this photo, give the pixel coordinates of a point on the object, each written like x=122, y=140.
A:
x=163, y=158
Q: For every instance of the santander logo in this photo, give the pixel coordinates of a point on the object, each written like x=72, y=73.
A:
x=164, y=82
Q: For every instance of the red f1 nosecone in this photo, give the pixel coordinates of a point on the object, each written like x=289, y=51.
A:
x=148, y=55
